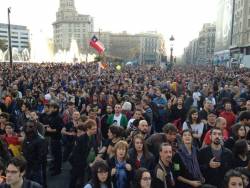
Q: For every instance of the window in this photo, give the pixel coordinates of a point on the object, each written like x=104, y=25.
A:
x=248, y=22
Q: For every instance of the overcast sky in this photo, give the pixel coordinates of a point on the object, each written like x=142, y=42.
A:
x=182, y=18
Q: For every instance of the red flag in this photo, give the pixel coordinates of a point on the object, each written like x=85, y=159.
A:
x=96, y=44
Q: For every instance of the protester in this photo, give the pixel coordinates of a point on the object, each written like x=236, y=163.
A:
x=233, y=179
x=35, y=151
x=120, y=168
x=186, y=166
x=139, y=156
x=163, y=173
x=15, y=175
x=83, y=154
x=142, y=179
x=215, y=160
x=59, y=97
x=100, y=176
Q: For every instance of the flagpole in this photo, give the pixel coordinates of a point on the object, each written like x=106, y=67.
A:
x=87, y=54
x=9, y=34
x=99, y=68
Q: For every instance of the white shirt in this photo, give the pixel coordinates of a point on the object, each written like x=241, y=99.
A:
x=197, y=128
x=196, y=97
x=130, y=123
x=117, y=119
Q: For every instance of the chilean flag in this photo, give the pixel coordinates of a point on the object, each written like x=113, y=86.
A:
x=96, y=44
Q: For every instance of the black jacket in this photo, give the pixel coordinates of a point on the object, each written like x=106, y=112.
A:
x=26, y=184
x=214, y=176
x=146, y=162
x=35, y=150
x=163, y=176
x=55, y=122
x=83, y=145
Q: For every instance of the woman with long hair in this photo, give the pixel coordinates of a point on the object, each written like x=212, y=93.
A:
x=186, y=166
x=100, y=176
x=142, y=178
x=139, y=156
x=240, y=151
x=238, y=132
x=196, y=126
x=121, y=169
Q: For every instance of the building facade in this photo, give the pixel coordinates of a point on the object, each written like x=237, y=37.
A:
x=70, y=25
x=20, y=36
x=241, y=29
x=125, y=46
x=152, y=46
x=206, y=43
x=190, y=52
x=201, y=50
x=144, y=48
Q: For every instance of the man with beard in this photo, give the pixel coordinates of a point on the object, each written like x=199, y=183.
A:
x=35, y=151
x=215, y=160
x=40, y=127
x=163, y=176
x=53, y=130
x=104, y=125
x=143, y=129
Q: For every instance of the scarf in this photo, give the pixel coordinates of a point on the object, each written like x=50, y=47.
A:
x=121, y=174
x=191, y=162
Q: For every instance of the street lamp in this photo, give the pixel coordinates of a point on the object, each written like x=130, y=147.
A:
x=9, y=32
x=171, y=48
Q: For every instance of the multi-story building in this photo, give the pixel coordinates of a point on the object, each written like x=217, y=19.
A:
x=224, y=31
x=20, y=37
x=143, y=48
x=152, y=46
x=201, y=50
x=125, y=46
x=241, y=29
x=206, y=43
x=71, y=25
x=190, y=52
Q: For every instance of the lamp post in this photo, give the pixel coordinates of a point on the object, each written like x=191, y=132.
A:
x=9, y=33
x=90, y=33
x=171, y=48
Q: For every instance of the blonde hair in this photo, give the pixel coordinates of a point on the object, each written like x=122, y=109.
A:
x=121, y=145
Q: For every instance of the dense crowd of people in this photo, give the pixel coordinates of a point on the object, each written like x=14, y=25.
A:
x=138, y=127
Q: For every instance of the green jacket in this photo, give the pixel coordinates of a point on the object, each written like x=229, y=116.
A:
x=123, y=122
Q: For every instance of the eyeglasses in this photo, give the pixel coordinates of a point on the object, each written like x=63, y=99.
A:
x=102, y=172
x=146, y=179
x=11, y=171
